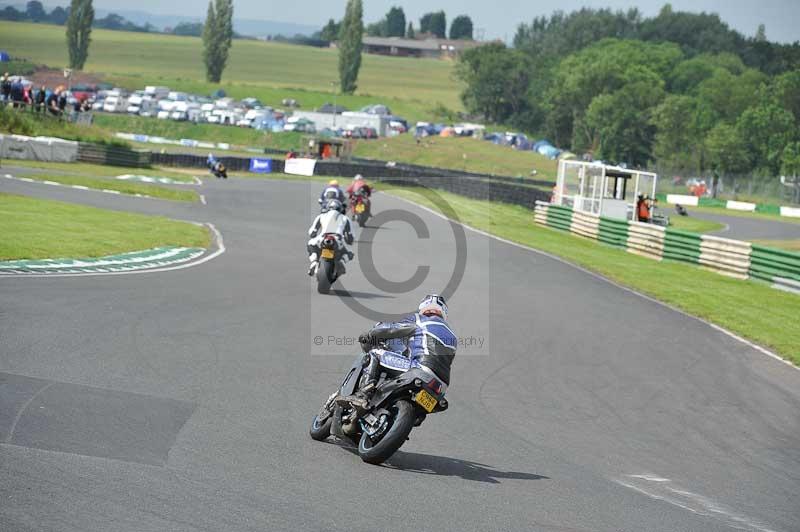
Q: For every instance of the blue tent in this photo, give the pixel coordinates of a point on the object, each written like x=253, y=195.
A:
x=4, y=57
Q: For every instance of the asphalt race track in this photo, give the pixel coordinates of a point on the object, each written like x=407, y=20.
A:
x=180, y=401
x=741, y=228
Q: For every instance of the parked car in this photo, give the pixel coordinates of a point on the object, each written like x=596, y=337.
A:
x=303, y=125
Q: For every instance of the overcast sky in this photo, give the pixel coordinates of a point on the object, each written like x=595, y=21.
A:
x=498, y=18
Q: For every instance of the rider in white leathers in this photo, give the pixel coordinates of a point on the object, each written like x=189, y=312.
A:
x=332, y=220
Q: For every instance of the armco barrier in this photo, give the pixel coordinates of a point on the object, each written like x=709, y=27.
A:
x=470, y=187
x=112, y=155
x=734, y=258
x=782, y=268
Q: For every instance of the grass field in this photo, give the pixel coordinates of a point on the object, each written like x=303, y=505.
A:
x=170, y=129
x=459, y=153
x=98, y=170
x=266, y=70
x=37, y=229
x=788, y=245
x=749, y=308
x=124, y=187
x=744, y=214
x=696, y=225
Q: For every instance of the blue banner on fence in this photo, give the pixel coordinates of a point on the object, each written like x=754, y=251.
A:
x=261, y=166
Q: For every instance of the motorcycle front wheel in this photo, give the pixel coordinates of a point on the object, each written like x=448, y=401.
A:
x=320, y=430
x=377, y=452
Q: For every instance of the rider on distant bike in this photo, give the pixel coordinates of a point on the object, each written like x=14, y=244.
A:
x=331, y=220
x=332, y=191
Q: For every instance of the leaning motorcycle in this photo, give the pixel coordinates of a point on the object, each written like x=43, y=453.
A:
x=219, y=171
x=406, y=392
x=361, y=208
x=331, y=265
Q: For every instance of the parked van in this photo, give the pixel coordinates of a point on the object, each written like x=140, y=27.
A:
x=115, y=104
x=156, y=92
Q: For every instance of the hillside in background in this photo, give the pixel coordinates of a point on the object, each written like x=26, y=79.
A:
x=269, y=71
x=250, y=27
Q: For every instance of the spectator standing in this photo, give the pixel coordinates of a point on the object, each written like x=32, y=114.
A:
x=52, y=103
x=39, y=100
x=5, y=87
x=17, y=91
x=62, y=100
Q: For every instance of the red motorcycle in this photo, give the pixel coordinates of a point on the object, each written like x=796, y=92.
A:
x=360, y=207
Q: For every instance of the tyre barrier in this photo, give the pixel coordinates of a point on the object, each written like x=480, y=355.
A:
x=734, y=258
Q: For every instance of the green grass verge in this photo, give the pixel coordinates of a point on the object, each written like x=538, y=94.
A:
x=170, y=129
x=98, y=170
x=459, y=153
x=25, y=122
x=38, y=229
x=696, y=225
x=789, y=245
x=751, y=309
x=266, y=70
x=124, y=187
x=744, y=214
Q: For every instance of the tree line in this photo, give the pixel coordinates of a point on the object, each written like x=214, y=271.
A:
x=680, y=90
x=35, y=12
x=395, y=24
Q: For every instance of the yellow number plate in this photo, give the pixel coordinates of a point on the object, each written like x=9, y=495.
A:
x=327, y=254
x=360, y=208
x=426, y=400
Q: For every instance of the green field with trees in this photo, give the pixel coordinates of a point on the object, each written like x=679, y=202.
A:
x=269, y=71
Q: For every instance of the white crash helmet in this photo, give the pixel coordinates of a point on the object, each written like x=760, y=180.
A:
x=433, y=303
x=334, y=205
x=358, y=177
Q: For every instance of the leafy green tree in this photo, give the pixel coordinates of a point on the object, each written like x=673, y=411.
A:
x=687, y=75
x=193, y=29
x=410, y=33
x=35, y=11
x=11, y=13
x=727, y=154
x=435, y=23
x=79, y=31
x=395, y=22
x=350, y=43
x=761, y=34
x=330, y=32
x=58, y=16
x=680, y=130
x=729, y=95
x=696, y=33
x=786, y=92
x=619, y=124
x=790, y=167
x=377, y=29
x=599, y=69
x=217, y=38
x=766, y=130
x=497, y=81
x=560, y=34
x=461, y=28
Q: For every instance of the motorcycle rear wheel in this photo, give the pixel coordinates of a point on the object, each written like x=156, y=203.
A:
x=380, y=451
x=325, y=276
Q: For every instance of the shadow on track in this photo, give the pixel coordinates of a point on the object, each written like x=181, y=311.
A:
x=361, y=295
x=429, y=464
